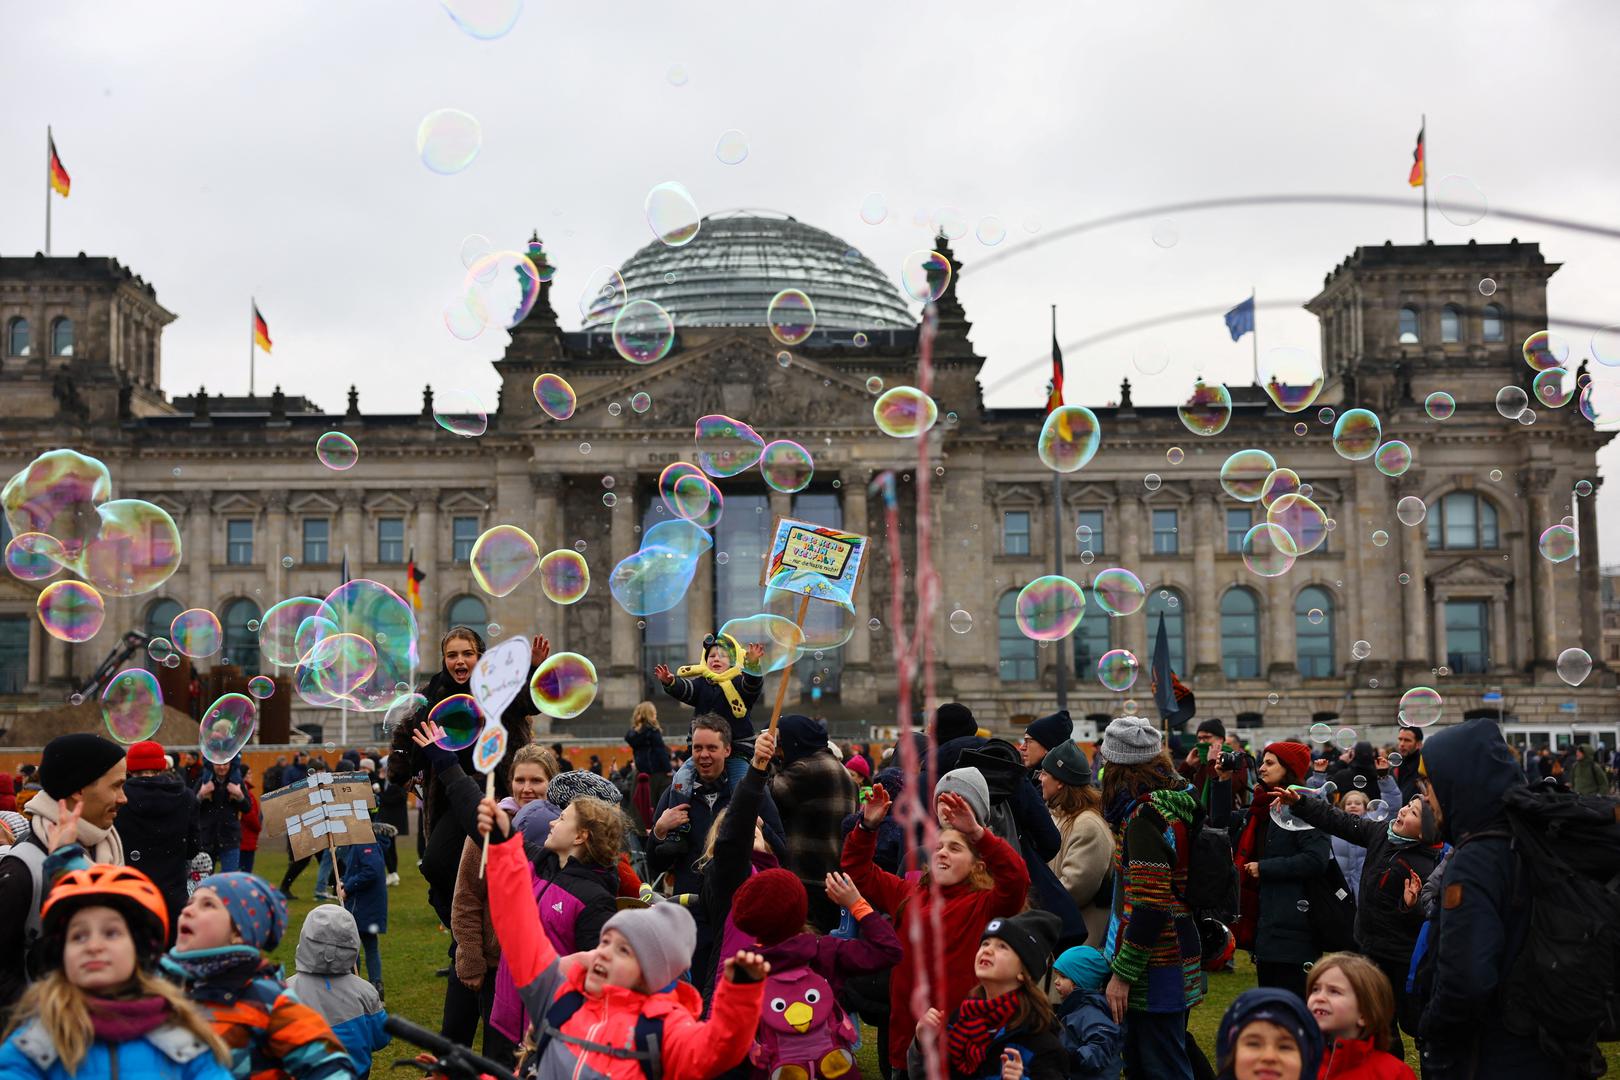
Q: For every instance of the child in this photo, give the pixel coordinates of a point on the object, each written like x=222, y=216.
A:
x=726, y=683
x=1005, y=1024
x=1087, y=1027
x=1267, y=1034
x=364, y=892
x=328, y=956
x=1354, y=1007
x=980, y=877
x=100, y=1011
x=226, y=928
x=1352, y=858
x=600, y=1012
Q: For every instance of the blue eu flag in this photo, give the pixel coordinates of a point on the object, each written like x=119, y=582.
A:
x=1240, y=320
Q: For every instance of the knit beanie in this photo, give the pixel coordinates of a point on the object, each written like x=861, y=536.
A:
x=1066, y=763
x=953, y=720
x=1213, y=726
x=146, y=756
x=72, y=763
x=662, y=937
x=1083, y=966
x=1130, y=740
x=534, y=821
x=772, y=906
x=258, y=911
x=568, y=786
x=1276, y=1006
x=1049, y=731
x=968, y=783
x=1032, y=935
x=859, y=766
x=1295, y=757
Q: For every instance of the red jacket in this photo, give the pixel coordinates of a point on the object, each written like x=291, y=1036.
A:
x=962, y=918
x=692, y=1049
x=1355, y=1059
x=252, y=820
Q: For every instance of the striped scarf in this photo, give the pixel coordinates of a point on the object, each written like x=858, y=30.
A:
x=977, y=1021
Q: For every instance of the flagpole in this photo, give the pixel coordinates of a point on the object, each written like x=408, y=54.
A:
x=1254, y=334
x=47, y=189
x=1057, y=562
x=1423, y=127
x=252, y=344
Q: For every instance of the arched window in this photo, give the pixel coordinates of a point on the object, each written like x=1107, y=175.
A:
x=1451, y=324
x=1092, y=638
x=1463, y=521
x=1409, y=326
x=1491, y=323
x=1173, y=606
x=17, y=340
x=158, y=618
x=1240, y=634
x=467, y=611
x=240, y=625
x=62, y=337
x=1313, y=632
x=1017, y=652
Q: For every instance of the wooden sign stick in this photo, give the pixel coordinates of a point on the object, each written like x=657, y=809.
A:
x=337, y=879
x=489, y=793
x=787, y=672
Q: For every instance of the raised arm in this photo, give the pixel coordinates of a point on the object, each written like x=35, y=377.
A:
x=1324, y=815
x=524, y=945
x=883, y=889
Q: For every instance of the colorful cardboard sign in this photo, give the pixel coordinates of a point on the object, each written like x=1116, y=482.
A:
x=815, y=561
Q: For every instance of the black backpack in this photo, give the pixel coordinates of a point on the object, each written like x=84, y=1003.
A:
x=1564, y=985
x=1212, y=880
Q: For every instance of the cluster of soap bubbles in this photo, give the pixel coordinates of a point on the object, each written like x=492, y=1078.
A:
x=355, y=649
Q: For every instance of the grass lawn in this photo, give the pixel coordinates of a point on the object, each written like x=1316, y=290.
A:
x=414, y=948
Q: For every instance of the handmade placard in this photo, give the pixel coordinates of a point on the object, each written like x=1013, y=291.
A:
x=499, y=675
x=324, y=810
x=815, y=561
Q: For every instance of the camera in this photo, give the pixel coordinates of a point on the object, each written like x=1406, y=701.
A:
x=1231, y=761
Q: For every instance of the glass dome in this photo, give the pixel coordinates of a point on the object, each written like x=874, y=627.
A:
x=728, y=273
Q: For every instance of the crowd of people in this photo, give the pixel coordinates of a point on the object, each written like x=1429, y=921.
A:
x=744, y=903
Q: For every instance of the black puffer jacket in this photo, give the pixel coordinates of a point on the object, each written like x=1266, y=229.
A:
x=219, y=815
x=652, y=756
x=1287, y=861
x=159, y=830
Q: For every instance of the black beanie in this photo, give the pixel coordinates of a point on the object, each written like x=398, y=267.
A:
x=953, y=720
x=1214, y=727
x=1052, y=731
x=72, y=763
x=1033, y=935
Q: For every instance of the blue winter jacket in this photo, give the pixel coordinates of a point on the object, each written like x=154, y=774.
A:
x=1094, y=1042
x=169, y=1053
x=328, y=950
x=365, y=885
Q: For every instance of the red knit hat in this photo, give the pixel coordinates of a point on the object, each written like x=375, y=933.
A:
x=1295, y=757
x=145, y=757
x=771, y=906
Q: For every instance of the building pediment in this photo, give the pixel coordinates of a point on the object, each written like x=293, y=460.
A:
x=388, y=502
x=464, y=500
x=312, y=502
x=236, y=503
x=1466, y=572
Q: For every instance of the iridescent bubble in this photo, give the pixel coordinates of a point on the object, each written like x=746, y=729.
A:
x=786, y=466
x=1544, y=350
x=485, y=20
x=556, y=398
x=447, y=140
x=860, y=340
x=473, y=248
x=991, y=230
x=1069, y=438
x=278, y=630
x=925, y=275
x=502, y=558
x=1460, y=200
x=640, y=401
x=1049, y=608
x=372, y=610
x=1393, y=458
x=672, y=214
x=159, y=649
x=336, y=451
x=1284, y=818
x=1574, y=665
x=34, y=556
x=564, y=576
x=1244, y=474
x=960, y=621
x=874, y=385
x=227, y=727
x=656, y=577
x=1117, y=669
x=604, y=289
x=57, y=494
x=132, y=706
x=1583, y=488
x=1361, y=650
x=643, y=332
x=339, y=664
x=1380, y=538
x=1439, y=405
x=1356, y=435
x=461, y=719
x=135, y=549
x=1321, y=733
x=1300, y=428
x=1153, y=481
x=403, y=710
x=1606, y=346
x=791, y=317
x=783, y=640
x=564, y=685
x=1411, y=510
x=195, y=632
x=465, y=316
x=1511, y=401
x=1378, y=809
x=503, y=286
x=904, y=412
x=1118, y=591
x=261, y=687
x=732, y=147
x=1175, y=455
x=826, y=626
x=1551, y=389
x=1301, y=520
x=1166, y=235
x=1421, y=706
x=1487, y=286
x=1557, y=544
x=460, y=412
x=874, y=209
x=1268, y=550
x=725, y=446
x=1207, y=410
x=1281, y=482
x=1292, y=378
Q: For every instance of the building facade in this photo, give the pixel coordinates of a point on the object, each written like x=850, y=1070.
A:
x=1462, y=601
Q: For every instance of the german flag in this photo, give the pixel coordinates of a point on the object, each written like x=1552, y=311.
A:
x=413, y=581
x=1415, y=177
x=60, y=180
x=261, y=330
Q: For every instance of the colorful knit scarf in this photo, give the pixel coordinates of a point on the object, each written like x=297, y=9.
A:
x=974, y=1028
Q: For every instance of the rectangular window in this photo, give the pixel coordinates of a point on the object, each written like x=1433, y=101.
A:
x=14, y=630
x=390, y=540
x=1238, y=524
x=317, y=538
x=463, y=534
x=1093, y=537
x=1015, y=532
x=1467, y=632
x=239, y=541
x=1165, y=541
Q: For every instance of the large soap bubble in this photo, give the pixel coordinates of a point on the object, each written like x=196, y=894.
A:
x=375, y=612
x=195, y=632
x=71, y=611
x=278, y=630
x=564, y=576
x=502, y=558
x=783, y=640
x=132, y=706
x=564, y=685
x=57, y=494
x=726, y=447
x=656, y=577
x=1207, y=410
x=136, y=548
x=461, y=719
x=1244, y=474
x=1049, y=608
x=1069, y=438
x=227, y=727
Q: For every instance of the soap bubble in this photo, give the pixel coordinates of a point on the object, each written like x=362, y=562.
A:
x=195, y=633
x=1574, y=665
x=1411, y=510
x=726, y=447
x=447, y=140
x=732, y=147
x=1378, y=809
x=485, y=20
x=656, y=577
x=782, y=638
x=502, y=558
x=1460, y=200
x=1117, y=669
x=1558, y=544
x=925, y=275
x=1421, y=706
x=261, y=687
x=672, y=214
x=826, y=626
x=1550, y=388
x=57, y=494
x=1544, y=350
x=1439, y=405
x=791, y=317
x=564, y=576
x=690, y=495
x=874, y=385
x=1393, y=458
x=1284, y=818
x=460, y=412
x=132, y=706
x=403, y=710
x=1361, y=650
x=1303, y=522
x=564, y=685
x=278, y=630
x=382, y=617
x=338, y=664
x=1118, y=591
x=1244, y=474
x=604, y=290
x=1207, y=410
x=336, y=451
x=874, y=209
x=961, y=621
x=786, y=466
x=1268, y=550
x=904, y=412
x=1281, y=482
x=556, y=398
x=1152, y=481
x=461, y=719
x=1583, y=488
x=643, y=332
x=1511, y=401
x=1069, y=438
x=1049, y=608
x=1292, y=378
x=1321, y=733
x=227, y=727
x=1356, y=435
x=990, y=231
x=159, y=649
x=1175, y=455
x=34, y=557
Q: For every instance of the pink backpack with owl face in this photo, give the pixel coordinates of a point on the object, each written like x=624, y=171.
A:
x=803, y=1032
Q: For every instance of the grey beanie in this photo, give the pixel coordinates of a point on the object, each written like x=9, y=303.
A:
x=578, y=783
x=662, y=937
x=970, y=784
x=1131, y=740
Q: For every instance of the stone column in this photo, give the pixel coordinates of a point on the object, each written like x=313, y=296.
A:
x=198, y=550
x=625, y=638
x=1278, y=661
x=1414, y=562
x=1544, y=582
x=858, y=652
x=1441, y=644
x=351, y=535
x=1204, y=659
x=547, y=532
x=1589, y=578
x=1500, y=652
x=425, y=540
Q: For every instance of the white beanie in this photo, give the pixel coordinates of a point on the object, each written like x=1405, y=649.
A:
x=1131, y=740
x=970, y=784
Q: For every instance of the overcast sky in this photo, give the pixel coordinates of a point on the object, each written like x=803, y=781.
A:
x=223, y=154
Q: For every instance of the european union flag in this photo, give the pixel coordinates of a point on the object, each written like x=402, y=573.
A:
x=1240, y=320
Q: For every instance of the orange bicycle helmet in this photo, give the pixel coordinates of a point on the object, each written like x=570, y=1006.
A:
x=121, y=887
